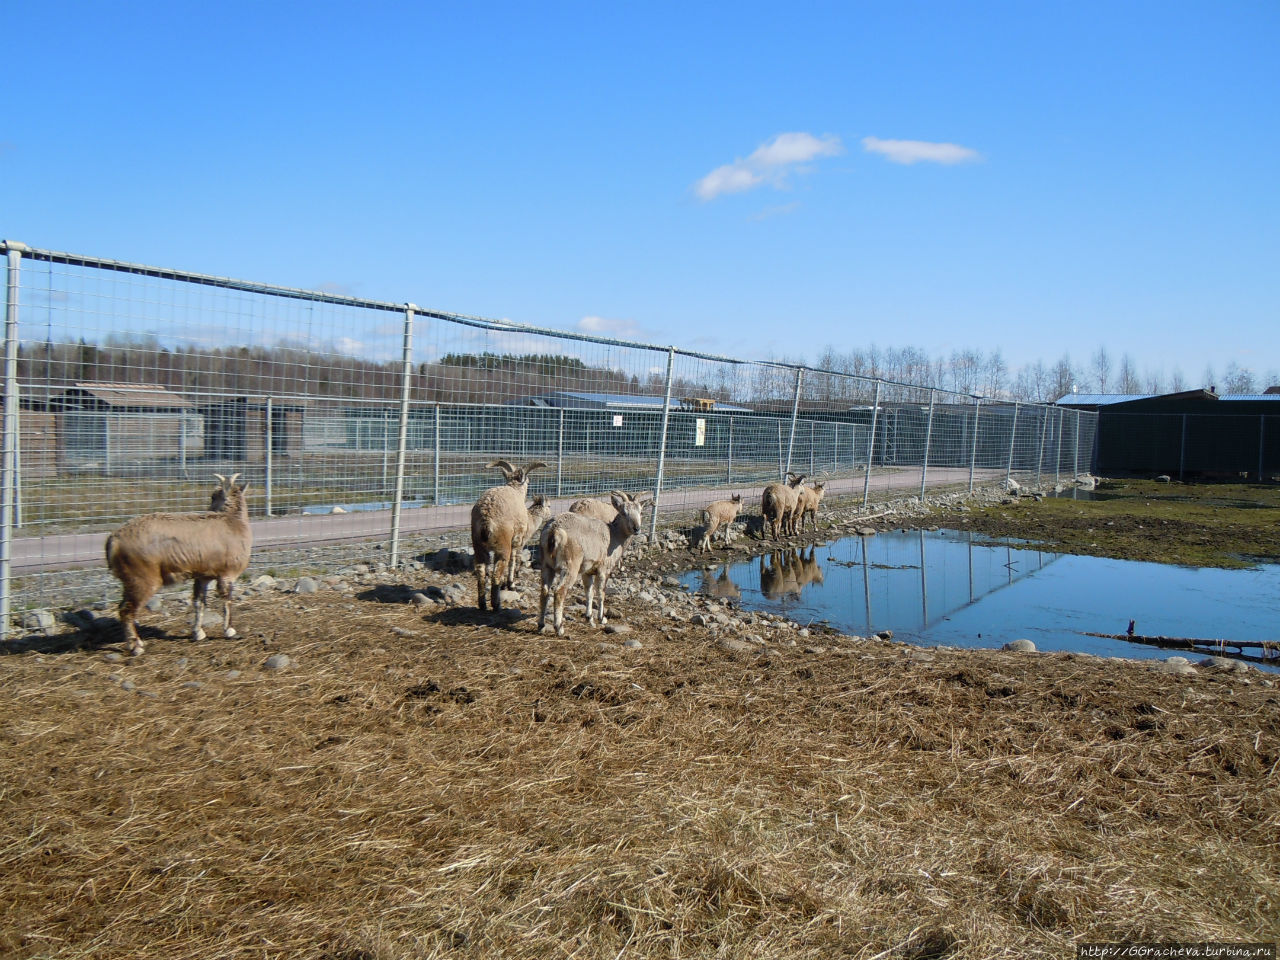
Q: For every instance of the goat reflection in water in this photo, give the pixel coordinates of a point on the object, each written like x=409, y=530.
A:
x=785, y=573
x=721, y=586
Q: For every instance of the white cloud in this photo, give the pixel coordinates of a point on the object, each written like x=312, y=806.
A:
x=605, y=327
x=771, y=163
x=920, y=151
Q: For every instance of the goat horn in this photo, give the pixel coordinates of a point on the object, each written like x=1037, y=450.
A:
x=232, y=481
x=506, y=466
x=535, y=465
x=221, y=479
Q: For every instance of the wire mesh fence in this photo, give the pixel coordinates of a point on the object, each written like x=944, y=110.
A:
x=365, y=425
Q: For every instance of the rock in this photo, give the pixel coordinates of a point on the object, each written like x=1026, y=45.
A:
x=1175, y=666
x=509, y=598
x=631, y=643
x=193, y=685
x=38, y=620
x=1163, y=478
x=277, y=661
x=700, y=620
x=113, y=657
x=455, y=593
x=1224, y=665
x=1019, y=646
x=618, y=628
x=306, y=585
x=337, y=510
x=155, y=604
x=734, y=645
x=263, y=582
x=671, y=583
x=232, y=674
x=128, y=685
x=866, y=531
x=884, y=635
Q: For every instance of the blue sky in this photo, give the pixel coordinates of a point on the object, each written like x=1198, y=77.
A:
x=750, y=179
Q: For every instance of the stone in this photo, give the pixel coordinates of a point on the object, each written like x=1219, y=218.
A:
x=306, y=585
x=734, y=645
x=38, y=620
x=618, y=628
x=631, y=643
x=884, y=635
x=1019, y=646
x=277, y=661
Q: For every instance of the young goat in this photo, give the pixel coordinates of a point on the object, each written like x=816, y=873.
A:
x=539, y=513
x=573, y=546
x=808, y=500
x=499, y=525
x=720, y=513
x=164, y=548
x=779, y=501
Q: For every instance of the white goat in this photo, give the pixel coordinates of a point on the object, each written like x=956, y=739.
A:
x=164, y=548
x=573, y=546
x=778, y=502
x=499, y=524
x=720, y=513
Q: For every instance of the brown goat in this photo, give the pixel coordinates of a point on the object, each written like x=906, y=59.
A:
x=163, y=548
x=778, y=502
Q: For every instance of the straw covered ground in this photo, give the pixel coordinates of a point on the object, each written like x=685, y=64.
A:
x=432, y=782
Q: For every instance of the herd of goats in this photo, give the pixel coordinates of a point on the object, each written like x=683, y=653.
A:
x=586, y=543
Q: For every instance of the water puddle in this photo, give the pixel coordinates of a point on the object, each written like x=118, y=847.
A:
x=960, y=589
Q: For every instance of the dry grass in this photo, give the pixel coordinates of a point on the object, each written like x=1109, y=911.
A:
x=454, y=786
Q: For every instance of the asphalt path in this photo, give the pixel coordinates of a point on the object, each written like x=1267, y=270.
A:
x=71, y=550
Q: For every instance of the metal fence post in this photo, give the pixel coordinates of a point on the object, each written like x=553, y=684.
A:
x=728, y=473
x=266, y=456
x=1044, y=430
x=973, y=453
x=928, y=436
x=402, y=433
x=662, y=443
x=795, y=410
x=435, y=483
x=1013, y=436
x=1057, y=460
x=871, y=446
x=1075, y=463
x=560, y=457
x=811, y=445
x=9, y=460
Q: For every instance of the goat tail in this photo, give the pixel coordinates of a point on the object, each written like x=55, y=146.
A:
x=112, y=547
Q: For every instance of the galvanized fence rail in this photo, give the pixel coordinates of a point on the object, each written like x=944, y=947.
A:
x=364, y=426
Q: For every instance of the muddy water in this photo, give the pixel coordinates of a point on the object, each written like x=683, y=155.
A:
x=955, y=588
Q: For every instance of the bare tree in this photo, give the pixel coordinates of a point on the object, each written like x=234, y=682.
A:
x=1238, y=379
x=1062, y=378
x=1102, y=368
x=1128, y=381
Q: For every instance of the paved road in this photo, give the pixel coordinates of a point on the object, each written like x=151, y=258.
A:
x=67, y=551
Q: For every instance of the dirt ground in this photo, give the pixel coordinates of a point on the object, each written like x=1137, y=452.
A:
x=429, y=781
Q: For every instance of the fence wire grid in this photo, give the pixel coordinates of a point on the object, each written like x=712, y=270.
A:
x=364, y=427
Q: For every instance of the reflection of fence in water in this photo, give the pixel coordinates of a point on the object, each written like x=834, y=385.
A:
x=911, y=580
x=933, y=592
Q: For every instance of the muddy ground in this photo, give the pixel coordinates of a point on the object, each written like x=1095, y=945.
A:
x=366, y=775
